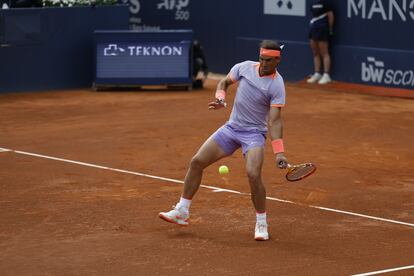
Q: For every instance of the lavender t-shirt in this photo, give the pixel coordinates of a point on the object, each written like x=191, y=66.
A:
x=254, y=97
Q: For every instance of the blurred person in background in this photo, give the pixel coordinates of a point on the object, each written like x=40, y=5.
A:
x=321, y=28
x=199, y=65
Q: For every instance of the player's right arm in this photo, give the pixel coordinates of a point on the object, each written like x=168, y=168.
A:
x=275, y=126
x=220, y=95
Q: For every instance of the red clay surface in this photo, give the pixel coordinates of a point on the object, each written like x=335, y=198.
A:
x=60, y=218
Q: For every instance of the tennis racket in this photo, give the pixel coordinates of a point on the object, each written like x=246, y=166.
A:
x=300, y=171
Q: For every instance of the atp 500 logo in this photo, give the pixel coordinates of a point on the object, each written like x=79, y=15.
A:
x=375, y=71
x=180, y=7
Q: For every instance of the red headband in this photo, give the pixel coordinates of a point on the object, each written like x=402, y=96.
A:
x=270, y=53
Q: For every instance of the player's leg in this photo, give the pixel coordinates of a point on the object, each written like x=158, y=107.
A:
x=254, y=162
x=209, y=153
x=218, y=146
x=326, y=57
x=316, y=61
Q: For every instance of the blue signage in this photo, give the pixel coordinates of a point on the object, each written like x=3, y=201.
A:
x=143, y=58
x=376, y=67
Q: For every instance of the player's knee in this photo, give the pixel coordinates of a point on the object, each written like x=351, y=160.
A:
x=196, y=163
x=257, y=188
x=253, y=176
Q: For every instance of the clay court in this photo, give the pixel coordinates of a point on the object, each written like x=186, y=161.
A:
x=84, y=174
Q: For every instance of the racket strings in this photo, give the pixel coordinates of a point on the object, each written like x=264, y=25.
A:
x=300, y=172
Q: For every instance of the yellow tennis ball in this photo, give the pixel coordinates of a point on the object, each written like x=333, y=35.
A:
x=223, y=170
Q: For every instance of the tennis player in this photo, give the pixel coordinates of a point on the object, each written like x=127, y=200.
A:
x=256, y=112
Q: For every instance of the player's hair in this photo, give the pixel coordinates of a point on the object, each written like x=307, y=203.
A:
x=270, y=44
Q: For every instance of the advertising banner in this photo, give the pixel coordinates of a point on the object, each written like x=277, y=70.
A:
x=231, y=30
x=152, y=15
x=143, y=57
x=376, y=67
x=285, y=7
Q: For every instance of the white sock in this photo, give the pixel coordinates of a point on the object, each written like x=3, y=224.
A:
x=261, y=217
x=184, y=203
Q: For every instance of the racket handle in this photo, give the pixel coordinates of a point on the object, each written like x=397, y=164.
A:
x=282, y=163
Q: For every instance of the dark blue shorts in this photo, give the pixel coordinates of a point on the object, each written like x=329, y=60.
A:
x=230, y=139
x=319, y=33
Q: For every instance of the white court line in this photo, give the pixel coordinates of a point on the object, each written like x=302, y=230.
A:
x=4, y=150
x=385, y=271
x=96, y=166
x=215, y=189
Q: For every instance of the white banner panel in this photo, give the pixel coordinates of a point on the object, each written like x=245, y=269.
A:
x=285, y=7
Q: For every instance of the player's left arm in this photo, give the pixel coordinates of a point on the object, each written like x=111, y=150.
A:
x=275, y=126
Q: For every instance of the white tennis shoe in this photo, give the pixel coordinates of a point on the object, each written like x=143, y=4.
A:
x=260, y=232
x=178, y=215
x=325, y=79
x=314, y=78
